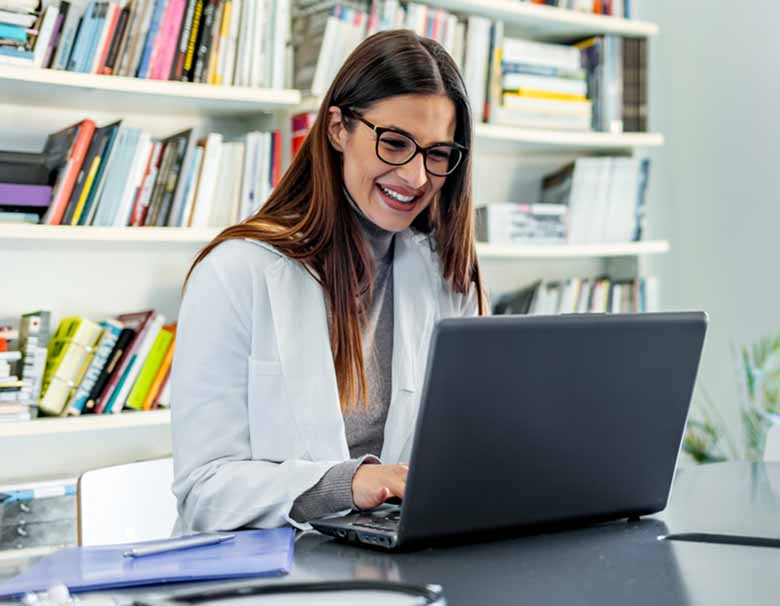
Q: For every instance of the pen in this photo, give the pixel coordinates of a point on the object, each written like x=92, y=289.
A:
x=727, y=539
x=178, y=544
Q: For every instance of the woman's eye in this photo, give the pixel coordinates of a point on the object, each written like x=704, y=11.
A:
x=395, y=143
x=440, y=155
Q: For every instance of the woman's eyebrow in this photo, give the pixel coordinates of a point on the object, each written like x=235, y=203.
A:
x=411, y=136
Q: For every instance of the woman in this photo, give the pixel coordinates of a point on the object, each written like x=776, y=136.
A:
x=303, y=333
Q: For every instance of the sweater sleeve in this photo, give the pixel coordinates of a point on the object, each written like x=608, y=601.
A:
x=331, y=494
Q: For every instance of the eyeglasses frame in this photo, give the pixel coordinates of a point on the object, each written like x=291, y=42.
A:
x=379, y=130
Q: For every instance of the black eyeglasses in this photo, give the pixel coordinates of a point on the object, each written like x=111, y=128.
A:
x=397, y=148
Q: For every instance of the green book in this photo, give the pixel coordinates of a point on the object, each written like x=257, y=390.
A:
x=150, y=369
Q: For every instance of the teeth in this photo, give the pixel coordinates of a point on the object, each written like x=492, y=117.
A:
x=396, y=195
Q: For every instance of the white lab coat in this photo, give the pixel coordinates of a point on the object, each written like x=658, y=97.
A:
x=256, y=415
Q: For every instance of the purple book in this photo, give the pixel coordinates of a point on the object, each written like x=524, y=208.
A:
x=18, y=194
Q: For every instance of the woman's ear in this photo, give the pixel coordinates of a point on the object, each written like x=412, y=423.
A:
x=337, y=131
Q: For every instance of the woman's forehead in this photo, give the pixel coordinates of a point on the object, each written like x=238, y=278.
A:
x=427, y=118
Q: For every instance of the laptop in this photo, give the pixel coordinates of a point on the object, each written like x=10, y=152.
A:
x=530, y=423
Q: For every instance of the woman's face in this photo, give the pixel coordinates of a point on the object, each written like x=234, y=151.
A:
x=392, y=196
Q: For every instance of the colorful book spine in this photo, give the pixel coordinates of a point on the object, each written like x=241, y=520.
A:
x=150, y=369
x=162, y=374
x=21, y=194
x=104, y=349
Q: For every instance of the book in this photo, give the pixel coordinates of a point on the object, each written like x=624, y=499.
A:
x=33, y=343
x=151, y=399
x=137, y=356
x=151, y=368
x=66, y=149
x=139, y=322
x=124, y=340
x=86, y=177
x=31, y=168
x=19, y=194
x=111, y=332
x=70, y=352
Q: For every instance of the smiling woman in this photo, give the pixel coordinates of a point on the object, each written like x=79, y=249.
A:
x=304, y=331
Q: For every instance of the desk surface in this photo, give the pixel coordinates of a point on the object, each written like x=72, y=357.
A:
x=616, y=563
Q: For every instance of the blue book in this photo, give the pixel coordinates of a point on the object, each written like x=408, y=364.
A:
x=252, y=553
x=111, y=332
x=154, y=26
x=18, y=53
x=81, y=37
x=96, y=29
x=90, y=205
x=509, y=67
x=116, y=177
x=13, y=32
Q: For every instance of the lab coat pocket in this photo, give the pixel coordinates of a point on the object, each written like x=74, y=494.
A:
x=272, y=429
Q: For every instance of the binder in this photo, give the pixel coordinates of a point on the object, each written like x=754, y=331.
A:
x=253, y=553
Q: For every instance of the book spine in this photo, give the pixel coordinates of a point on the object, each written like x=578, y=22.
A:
x=73, y=165
x=177, y=67
x=104, y=348
x=116, y=41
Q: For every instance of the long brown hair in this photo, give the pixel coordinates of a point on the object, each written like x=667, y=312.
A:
x=308, y=218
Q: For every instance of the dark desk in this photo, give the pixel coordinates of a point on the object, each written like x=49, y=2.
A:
x=618, y=563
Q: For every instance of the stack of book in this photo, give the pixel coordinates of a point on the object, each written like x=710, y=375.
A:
x=107, y=367
x=613, y=8
x=511, y=223
x=12, y=406
x=33, y=344
x=605, y=198
x=542, y=86
x=25, y=191
x=17, y=27
x=117, y=175
x=617, y=82
x=325, y=33
x=237, y=42
x=581, y=295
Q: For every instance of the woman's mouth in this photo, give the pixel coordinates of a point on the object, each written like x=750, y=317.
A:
x=395, y=199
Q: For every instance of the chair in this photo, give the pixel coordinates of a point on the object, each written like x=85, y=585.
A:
x=126, y=503
x=772, y=448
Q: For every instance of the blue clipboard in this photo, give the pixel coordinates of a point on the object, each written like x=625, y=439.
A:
x=251, y=553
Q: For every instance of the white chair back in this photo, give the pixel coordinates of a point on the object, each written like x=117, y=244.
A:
x=772, y=448
x=126, y=503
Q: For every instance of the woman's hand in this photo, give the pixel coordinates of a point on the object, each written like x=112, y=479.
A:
x=373, y=484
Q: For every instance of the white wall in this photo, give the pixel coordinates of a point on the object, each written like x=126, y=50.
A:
x=714, y=92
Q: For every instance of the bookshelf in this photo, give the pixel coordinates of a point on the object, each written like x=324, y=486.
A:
x=35, y=235
x=565, y=141
x=31, y=86
x=546, y=22
x=99, y=272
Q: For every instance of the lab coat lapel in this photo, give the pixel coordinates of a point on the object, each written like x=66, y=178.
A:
x=413, y=313
x=298, y=308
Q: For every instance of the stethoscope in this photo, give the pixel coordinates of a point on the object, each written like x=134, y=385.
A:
x=58, y=595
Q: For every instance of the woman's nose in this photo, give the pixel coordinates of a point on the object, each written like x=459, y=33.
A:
x=413, y=172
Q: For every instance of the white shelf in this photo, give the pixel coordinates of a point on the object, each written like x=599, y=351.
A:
x=199, y=236
x=17, y=232
x=46, y=87
x=547, y=22
x=569, y=140
x=87, y=423
x=564, y=251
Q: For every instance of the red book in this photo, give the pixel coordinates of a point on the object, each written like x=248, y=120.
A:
x=69, y=172
x=113, y=17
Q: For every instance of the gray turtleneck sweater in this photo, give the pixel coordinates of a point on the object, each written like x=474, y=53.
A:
x=365, y=423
